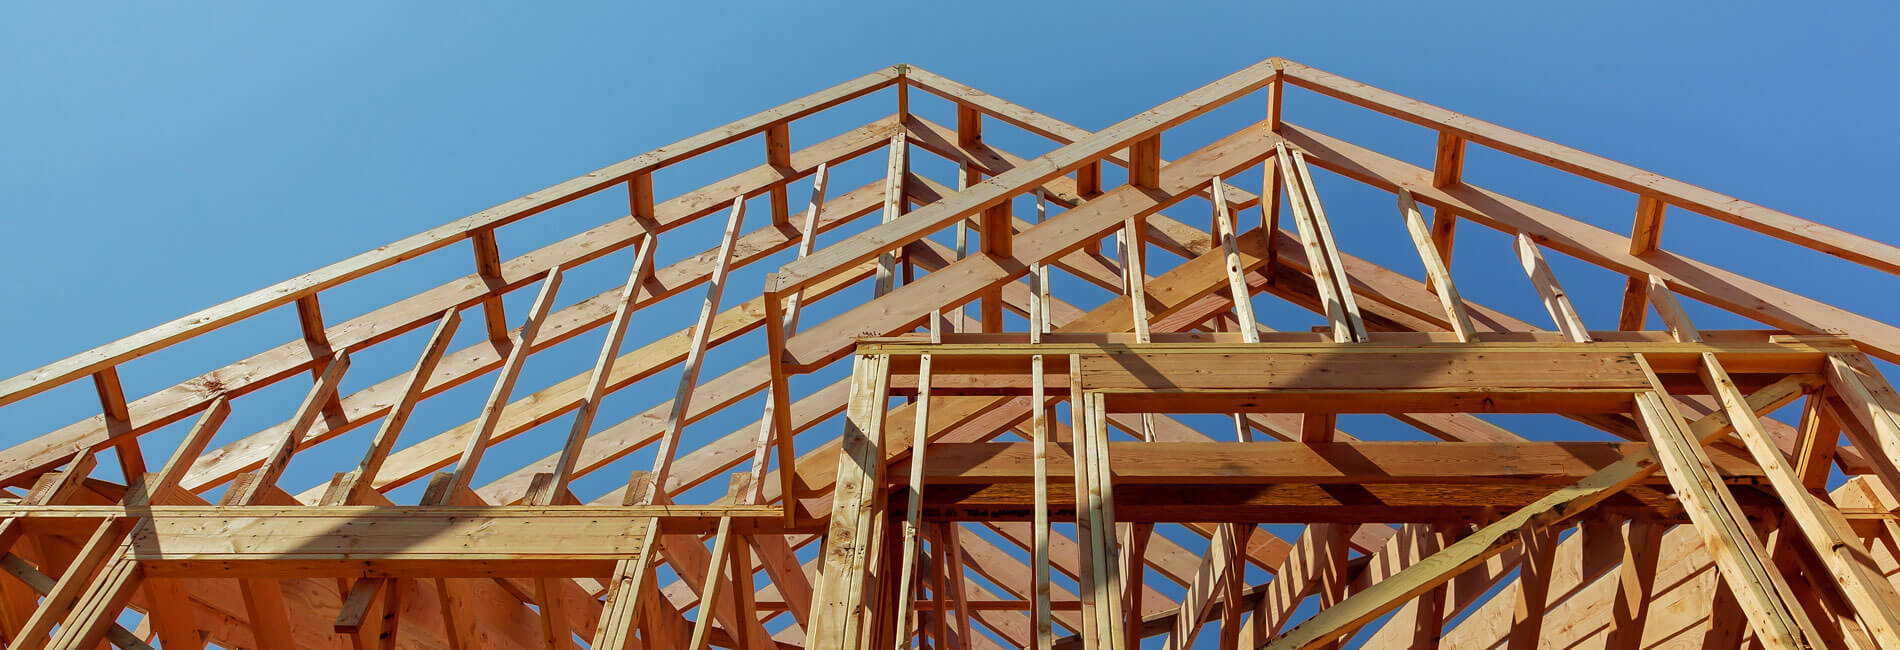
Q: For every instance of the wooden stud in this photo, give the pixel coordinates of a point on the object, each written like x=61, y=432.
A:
x=1323, y=233
x=1435, y=269
x=41, y=583
x=1859, y=578
x=640, y=197
x=1144, y=162
x=385, y=439
x=1552, y=293
x=1868, y=410
x=897, y=169
x=997, y=239
x=1276, y=97
x=167, y=478
x=841, y=587
x=1538, y=550
x=913, y=521
x=266, y=477
x=1448, y=161
x=1762, y=593
x=1129, y=246
x=632, y=577
x=1271, y=186
x=778, y=154
x=781, y=320
x=1645, y=236
x=959, y=595
x=1448, y=164
x=1107, y=554
x=112, y=402
x=1336, y=295
x=1236, y=280
x=668, y=445
x=714, y=581
x=490, y=418
x=310, y=321
x=1039, y=428
x=603, y=368
x=742, y=590
x=1096, y=626
x=1136, y=551
x=1635, y=584
x=59, y=602
x=488, y=266
x=357, y=604
x=1646, y=233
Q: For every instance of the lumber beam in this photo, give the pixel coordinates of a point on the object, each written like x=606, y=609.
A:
x=118, y=635
x=856, y=511
x=1321, y=251
x=1268, y=463
x=1393, y=591
x=1763, y=594
x=1833, y=540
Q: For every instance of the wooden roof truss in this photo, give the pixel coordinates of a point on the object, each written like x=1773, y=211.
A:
x=1042, y=481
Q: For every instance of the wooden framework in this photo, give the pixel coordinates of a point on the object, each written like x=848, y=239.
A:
x=1052, y=483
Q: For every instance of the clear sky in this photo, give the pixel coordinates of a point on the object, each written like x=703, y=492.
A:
x=159, y=159
x=162, y=159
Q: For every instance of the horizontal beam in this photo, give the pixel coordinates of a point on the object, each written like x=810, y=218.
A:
x=1300, y=503
x=1334, y=369
x=398, y=541
x=1744, y=351
x=1270, y=463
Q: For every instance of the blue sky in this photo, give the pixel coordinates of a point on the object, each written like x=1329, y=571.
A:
x=162, y=159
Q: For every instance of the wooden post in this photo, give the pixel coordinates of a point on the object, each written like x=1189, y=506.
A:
x=488, y=266
x=619, y=618
x=778, y=154
x=844, y=581
x=895, y=172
